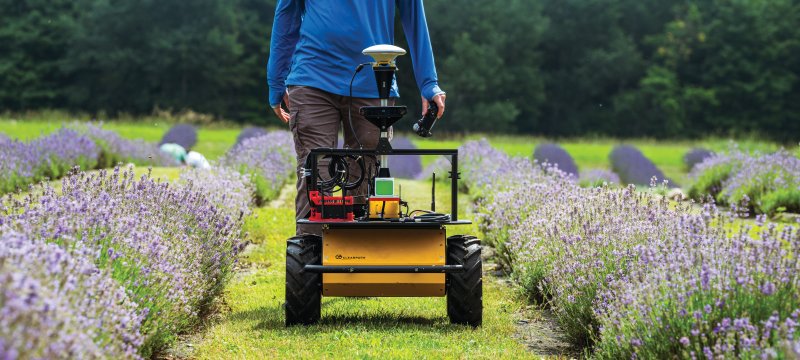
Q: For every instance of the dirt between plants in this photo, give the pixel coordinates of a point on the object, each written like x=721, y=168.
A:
x=538, y=329
x=536, y=326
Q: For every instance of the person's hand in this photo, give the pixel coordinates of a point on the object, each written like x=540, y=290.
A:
x=439, y=100
x=280, y=112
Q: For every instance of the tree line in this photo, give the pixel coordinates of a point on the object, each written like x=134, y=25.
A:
x=660, y=68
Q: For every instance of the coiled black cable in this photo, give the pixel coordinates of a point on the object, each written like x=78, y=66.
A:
x=339, y=173
x=429, y=216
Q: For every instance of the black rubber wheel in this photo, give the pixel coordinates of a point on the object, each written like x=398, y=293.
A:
x=465, y=290
x=303, y=289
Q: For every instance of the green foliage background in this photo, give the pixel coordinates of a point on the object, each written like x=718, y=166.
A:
x=658, y=68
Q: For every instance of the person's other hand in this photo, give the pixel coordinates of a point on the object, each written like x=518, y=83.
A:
x=439, y=100
x=280, y=112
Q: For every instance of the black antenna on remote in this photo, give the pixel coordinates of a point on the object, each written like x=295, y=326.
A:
x=433, y=193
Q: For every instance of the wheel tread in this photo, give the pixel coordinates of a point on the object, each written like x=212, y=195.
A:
x=465, y=290
x=303, y=296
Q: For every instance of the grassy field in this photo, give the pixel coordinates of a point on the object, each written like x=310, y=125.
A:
x=251, y=324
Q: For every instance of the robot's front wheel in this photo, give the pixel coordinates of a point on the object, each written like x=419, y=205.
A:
x=303, y=289
x=465, y=290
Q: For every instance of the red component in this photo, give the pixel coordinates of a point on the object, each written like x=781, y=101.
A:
x=334, y=208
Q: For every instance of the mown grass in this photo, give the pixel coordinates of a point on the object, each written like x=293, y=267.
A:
x=397, y=328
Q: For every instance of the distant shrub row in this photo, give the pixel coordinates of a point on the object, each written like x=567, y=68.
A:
x=765, y=183
x=52, y=156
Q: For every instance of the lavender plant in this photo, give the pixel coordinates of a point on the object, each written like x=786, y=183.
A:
x=18, y=165
x=58, y=304
x=634, y=168
x=182, y=134
x=570, y=240
x=598, y=177
x=696, y=156
x=556, y=155
x=267, y=160
x=770, y=182
x=636, y=275
x=115, y=149
x=49, y=156
x=52, y=156
x=226, y=188
x=707, y=289
x=407, y=167
x=168, y=246
x=249, y=132
x=708, y=177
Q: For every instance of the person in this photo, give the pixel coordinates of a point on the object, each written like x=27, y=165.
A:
x=315, y=49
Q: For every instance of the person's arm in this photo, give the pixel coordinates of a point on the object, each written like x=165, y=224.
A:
x=412, y=17
x=285, y=33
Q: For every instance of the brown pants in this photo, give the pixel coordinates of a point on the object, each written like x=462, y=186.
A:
x=316, y=117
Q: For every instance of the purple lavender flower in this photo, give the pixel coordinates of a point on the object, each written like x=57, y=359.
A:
x=248, y=133
x=226, y=188
x=170, y=247
x=57, y=304
x=598, y=177
x=407, y=167
x=118, y=150
x=268, y=160
x=617, y=263
x=50, y=156
x=182, y=134
x=634, y=168
x=556, y=155
x=696, y=156
x=684, y=341
x=768, y=182
x=84, y=146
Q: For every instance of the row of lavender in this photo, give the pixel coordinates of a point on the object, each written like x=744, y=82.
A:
x=52, y=156
x=115, y=265
x=629, y=166
x=633, y=275
x=267, y=159
x=768, y=183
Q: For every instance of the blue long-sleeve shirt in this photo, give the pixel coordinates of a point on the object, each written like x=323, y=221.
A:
x=318, y=43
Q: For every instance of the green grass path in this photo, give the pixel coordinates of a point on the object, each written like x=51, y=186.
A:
x=251, y=323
